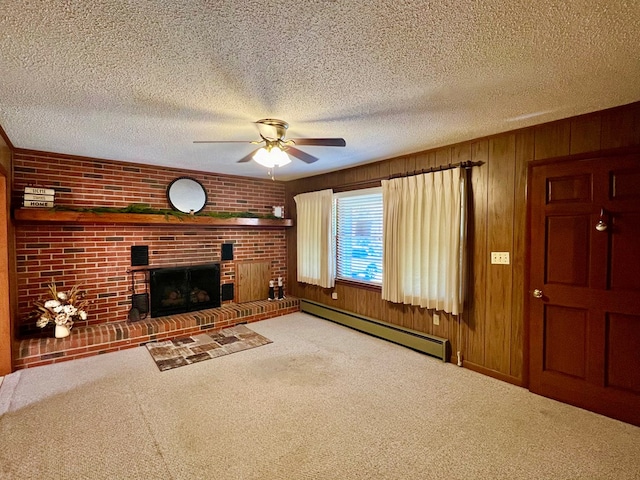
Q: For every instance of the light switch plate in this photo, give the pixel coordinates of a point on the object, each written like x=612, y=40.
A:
x=500, y=258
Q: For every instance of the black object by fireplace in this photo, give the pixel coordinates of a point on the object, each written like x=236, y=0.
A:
x=184, y=289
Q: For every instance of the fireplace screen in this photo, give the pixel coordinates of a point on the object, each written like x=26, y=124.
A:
x=184, y=289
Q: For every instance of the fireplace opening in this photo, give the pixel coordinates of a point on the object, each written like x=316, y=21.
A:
x=184, y=289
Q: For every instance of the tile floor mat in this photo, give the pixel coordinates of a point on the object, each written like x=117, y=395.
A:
x=181, y=351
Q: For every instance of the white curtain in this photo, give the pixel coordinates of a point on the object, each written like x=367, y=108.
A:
x=315, y=238
x=424, y=251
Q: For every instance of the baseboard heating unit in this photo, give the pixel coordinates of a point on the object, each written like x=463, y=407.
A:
x=422, y=342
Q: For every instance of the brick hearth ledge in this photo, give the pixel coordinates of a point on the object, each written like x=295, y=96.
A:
x=110, y=337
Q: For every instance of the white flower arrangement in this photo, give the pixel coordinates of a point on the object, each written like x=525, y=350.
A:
x=62, y=308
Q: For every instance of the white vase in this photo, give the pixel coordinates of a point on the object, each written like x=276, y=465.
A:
x=61, y=331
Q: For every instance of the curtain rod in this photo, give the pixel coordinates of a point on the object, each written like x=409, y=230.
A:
x=467, y=165
x=376, y=181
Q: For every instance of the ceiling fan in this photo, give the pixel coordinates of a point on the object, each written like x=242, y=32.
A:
x=272, y=132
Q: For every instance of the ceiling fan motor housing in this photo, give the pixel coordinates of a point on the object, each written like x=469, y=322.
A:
x=272, y=128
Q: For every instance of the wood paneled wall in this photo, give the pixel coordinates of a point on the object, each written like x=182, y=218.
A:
x=491, y=334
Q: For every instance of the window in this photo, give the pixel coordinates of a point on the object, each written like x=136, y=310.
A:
x=358, y=233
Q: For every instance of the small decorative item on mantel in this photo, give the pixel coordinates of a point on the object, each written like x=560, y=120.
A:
x=280, y=289
x=278, y=212
x=272, y=294
x=38, y=197
x=61, y=309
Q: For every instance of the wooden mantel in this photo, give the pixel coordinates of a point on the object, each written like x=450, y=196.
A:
x=28, y=215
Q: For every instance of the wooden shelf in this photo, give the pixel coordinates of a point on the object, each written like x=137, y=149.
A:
x=27, y=215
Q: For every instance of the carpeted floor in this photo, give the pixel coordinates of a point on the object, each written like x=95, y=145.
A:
x=320, y=402
x=205, y=346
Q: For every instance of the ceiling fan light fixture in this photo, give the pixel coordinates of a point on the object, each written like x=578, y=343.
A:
x=271, y=156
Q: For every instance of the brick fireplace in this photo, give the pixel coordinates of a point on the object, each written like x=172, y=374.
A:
x=98, y=256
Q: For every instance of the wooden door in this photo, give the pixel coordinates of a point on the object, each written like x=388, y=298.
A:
x=584, y=320
x=253, y=281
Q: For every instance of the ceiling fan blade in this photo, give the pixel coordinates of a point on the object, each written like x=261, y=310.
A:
x=323, y=142
x=305, y=157
x=222, y=141
x=248, y=157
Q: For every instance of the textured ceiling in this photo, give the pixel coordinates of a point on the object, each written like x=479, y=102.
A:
x=139, y=81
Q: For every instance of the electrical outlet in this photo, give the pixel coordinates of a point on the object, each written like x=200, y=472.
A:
x=436, y=318
x=500, y=258
x=334, y=295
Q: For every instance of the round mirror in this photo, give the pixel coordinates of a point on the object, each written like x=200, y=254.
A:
x=186, y=195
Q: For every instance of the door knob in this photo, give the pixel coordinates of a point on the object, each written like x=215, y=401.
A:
x=601, y=226
x=537, y=293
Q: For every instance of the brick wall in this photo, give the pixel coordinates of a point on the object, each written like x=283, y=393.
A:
x=97, y=256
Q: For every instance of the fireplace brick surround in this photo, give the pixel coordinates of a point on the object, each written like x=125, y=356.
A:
x=97, y=256
x=111, y=337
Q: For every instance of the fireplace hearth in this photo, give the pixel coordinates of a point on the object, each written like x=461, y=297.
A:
x=184, y=289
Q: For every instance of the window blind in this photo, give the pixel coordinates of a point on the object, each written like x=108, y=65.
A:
x=359, y=235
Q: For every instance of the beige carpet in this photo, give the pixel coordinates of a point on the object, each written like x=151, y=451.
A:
x=320, y=402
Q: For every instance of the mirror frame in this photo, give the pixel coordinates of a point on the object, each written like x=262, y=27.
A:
x=186, y=205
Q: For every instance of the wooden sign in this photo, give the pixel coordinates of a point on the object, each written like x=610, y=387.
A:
x=37, y=203
x=41, y=198
x=38, y=197
x=39, y=191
